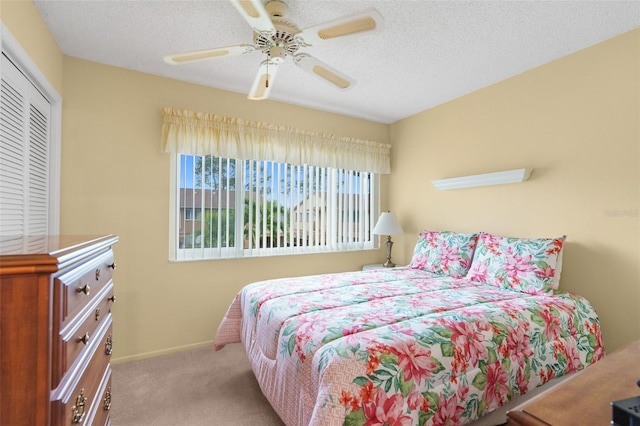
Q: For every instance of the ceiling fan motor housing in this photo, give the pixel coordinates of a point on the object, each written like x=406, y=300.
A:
x=283, y=42
x=283, y=39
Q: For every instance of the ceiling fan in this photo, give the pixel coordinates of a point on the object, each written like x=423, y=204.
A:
x=279, y=39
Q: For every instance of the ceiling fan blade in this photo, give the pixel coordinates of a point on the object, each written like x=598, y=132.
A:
x=264, y=80
x=255, y=14
x=200, y=55
x=324, y=71
x=366, y=21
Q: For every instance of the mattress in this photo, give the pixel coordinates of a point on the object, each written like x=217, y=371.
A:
x=403, y=346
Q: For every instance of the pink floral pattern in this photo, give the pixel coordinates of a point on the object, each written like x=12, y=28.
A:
x=402, y=347
x=444, y=252
x=529, y=265
x=386, y=410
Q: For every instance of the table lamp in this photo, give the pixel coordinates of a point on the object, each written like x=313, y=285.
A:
x=388, y=225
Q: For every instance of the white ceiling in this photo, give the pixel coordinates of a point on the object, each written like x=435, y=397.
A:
x=429, y=52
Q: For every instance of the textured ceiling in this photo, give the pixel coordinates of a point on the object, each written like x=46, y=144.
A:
x=428, y=53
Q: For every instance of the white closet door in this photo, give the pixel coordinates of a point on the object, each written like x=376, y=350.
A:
x=24, y=162
x=38, y=170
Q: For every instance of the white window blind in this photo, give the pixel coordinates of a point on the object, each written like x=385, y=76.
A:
x=24, y=162
x=233, y=208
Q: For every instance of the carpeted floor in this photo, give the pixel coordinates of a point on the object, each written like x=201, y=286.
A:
x=198, y=387
x=190, y=388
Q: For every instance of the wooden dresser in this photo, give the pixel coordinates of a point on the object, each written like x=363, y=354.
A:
x=55, y=332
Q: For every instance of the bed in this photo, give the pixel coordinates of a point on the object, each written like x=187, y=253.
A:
x=473, y=322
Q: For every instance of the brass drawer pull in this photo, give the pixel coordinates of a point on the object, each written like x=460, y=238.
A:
x=86, y=289
x=112, y=298
x=107, y=399
x=97, y=314
x=98, y=274
x=84, y=339
x=108, y=345
x=78, y=409
x=112, y=266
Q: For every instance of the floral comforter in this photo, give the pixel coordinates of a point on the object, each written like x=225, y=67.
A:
x=403, y=347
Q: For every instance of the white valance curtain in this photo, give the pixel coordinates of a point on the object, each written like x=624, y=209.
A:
x=198, y=133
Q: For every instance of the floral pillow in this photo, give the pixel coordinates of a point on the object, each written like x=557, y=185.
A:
x=529, y=265
x=444, y=253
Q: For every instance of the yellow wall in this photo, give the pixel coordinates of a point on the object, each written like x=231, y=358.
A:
x=576, y=122
x=115, y=179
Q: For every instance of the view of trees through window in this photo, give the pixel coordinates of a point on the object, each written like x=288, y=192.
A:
x=230, y=204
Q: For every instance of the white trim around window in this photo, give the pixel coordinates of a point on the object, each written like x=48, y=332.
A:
x=250, y=208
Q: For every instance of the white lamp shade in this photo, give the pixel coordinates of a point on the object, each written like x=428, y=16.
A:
x=387, y=225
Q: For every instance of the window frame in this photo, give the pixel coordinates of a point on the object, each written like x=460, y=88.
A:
x=238, y=252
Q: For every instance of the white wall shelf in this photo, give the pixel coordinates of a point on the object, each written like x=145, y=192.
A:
x=486, y=179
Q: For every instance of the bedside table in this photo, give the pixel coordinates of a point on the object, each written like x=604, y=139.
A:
x=377, y=266
x=372, y=266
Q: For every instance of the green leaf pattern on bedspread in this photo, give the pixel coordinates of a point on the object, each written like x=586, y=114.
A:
x=422, y=350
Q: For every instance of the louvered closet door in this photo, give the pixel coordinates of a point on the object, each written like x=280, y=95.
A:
x=24, y=161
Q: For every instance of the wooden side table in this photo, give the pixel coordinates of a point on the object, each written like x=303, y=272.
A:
x=585, y=398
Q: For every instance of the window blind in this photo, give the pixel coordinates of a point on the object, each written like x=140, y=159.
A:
x=235, y=208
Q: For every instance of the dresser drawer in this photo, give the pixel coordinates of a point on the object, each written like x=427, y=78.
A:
x=80, y=332
x=80, y=285
x=82, y=388
x=99, y=412
x=40, y=377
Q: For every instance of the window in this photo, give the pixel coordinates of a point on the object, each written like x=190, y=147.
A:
x=225, y=208
x=310, y=192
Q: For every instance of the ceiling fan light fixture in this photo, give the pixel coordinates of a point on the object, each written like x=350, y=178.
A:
x=277, y=53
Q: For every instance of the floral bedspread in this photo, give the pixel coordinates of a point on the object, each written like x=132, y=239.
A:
x=404, y=347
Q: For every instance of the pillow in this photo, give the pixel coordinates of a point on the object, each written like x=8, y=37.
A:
x=444, y=253
x=528, y=265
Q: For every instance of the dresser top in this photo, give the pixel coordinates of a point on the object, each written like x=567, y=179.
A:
x=48, y=253
x=585, y=398
x=46, y=244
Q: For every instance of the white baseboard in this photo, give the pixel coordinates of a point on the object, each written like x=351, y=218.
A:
x=152, y=354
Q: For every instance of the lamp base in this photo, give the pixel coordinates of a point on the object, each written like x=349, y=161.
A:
x=389, y=263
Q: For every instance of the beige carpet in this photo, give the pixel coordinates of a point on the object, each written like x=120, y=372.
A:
x=190, y=388
x=197, y=388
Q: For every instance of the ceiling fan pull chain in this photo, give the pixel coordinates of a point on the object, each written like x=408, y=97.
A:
x=266, y=82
